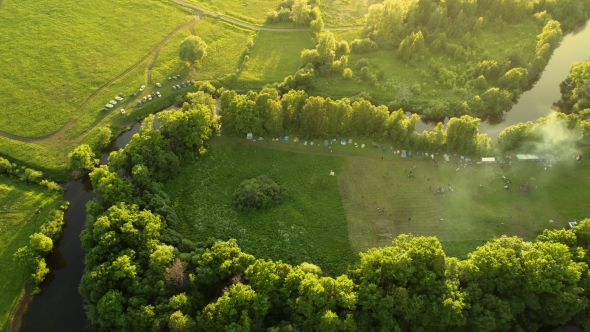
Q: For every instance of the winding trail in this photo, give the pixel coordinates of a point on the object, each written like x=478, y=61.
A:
x=155, y=52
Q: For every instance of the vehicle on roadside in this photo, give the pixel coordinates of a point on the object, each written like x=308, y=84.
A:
x=109, y=105
x=113, y=102
x=158, y=85
x=142, y=88
x=123, y=111
x=118, y=98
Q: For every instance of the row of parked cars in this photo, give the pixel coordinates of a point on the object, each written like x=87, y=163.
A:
x=185, y=84
x=111, y=104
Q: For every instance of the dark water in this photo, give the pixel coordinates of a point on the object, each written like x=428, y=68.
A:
x=537, y=102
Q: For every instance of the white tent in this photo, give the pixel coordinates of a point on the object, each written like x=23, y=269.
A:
x=249, y=136
x=488, y=160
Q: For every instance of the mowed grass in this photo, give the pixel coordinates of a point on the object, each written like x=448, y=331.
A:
x=253, y=11
x=274, y=56
x=370, y=178
x=345, y=12
x=56, y=53
x=310, y=227
x=18, y=203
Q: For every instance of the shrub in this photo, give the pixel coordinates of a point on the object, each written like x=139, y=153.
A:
x=362, y=62
x=365, y=73
x=259, y=193
x=363, y=45
x=347, y=73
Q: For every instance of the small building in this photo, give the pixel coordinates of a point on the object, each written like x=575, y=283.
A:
x=249, y=136
x=488, y=160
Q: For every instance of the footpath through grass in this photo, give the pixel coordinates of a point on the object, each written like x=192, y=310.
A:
x=18, y=203
x=56, y=53
x=471, y=215
x=310, y=227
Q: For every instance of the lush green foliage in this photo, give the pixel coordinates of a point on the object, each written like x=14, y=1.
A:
x=259, y=193
x=268, y=113
x=82, y=158
x=192, y=48
x=575, y=90
x=19, y=219
x=249, y=11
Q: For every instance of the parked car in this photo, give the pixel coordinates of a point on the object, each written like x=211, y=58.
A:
x=118, y=98
x=150, y=97
x=104, y=109
x=113, y=102
x=142, y=88
x=158, y=85
x=132, y=95
x=158, y=94
x=178, y=87
x=122, y=95
x=169, y=78
x=144, y=99
x=123, y=111
x=109, y=106
x=139, y=104
x=192, y=82
x=174, y=88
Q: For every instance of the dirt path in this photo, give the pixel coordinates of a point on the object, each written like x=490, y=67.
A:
x=209, y=12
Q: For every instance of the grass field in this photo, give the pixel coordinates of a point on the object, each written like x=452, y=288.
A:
x=471, y=214
x=346, y=12
x=64, y=50
x=18, y=220
x=275, y=55
x=310, y=227
x=253, y=11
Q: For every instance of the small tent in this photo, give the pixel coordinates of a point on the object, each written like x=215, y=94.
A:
x=286, y=138
x=249, y=136
x=403, y=153
x=446, y=156
x=343, y=141
x=296, y=139
x=350, y=141
x=488, y=160
x=326, y=143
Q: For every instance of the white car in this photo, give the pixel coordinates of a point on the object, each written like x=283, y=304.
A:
x=158, y=85
x=144, y=99
x=109, y=105
x=142, y=87
x=123, y=111
x=118, y=98
x=113, y=102
x=159, y=94
x=150, y=97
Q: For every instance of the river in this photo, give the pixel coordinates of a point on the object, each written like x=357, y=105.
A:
x=537, y=102
x=59, y=307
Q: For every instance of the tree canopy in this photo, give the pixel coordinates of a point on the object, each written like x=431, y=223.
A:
x=192, y=49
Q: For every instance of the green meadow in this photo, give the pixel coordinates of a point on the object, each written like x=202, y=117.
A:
x=56, y=53
x=309, y=227
x=370, y=181
x=18, y=203
x=274, y=56
x=253, y=11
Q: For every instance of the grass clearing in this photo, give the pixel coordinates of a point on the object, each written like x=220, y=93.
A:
x=65, y=50
x=253, y=11
x=346, y=12
x=471, y=214
x=18, y=220
x=274, y=56
x=310, y=227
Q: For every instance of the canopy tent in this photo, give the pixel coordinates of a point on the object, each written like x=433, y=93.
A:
x=527, y=157
x=488, y=160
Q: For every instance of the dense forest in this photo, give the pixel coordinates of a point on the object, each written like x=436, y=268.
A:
x=575, y=90
x=141, y=275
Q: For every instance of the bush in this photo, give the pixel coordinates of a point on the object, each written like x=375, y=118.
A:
x=363, y=45
x=347, y=73
x=365, y=73
x=259, y=193
x=362, y=62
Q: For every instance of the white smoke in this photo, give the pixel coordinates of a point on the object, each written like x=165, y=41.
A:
x=554, y=136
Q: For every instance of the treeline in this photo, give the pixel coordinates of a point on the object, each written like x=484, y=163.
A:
x=300, y=12
x=269, y=113
x=575, y=89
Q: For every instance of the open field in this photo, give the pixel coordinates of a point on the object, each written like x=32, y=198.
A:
x=471, y=214
x=310, y=227
x=345, y=12
x=275, y=55
x=64, y=50
x=18, y=203
x=253, y=11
